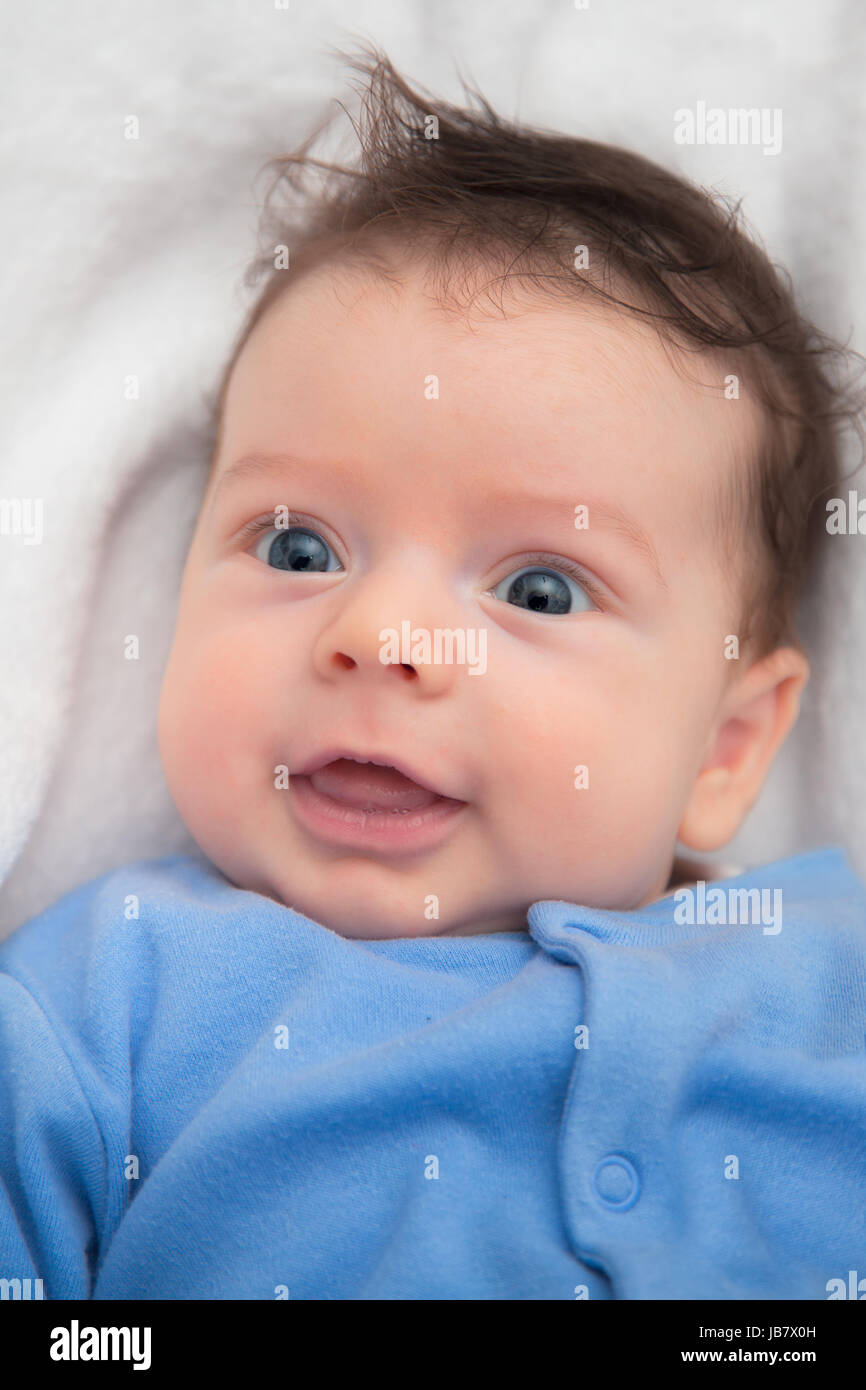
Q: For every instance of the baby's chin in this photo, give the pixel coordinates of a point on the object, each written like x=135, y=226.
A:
x=361, y=926
x=386, y=911
x=391, y=923
x=372, y=916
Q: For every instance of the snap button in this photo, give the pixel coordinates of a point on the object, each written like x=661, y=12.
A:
x=616, y=1183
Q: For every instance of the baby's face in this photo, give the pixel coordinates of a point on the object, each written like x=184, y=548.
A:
x=432, y=472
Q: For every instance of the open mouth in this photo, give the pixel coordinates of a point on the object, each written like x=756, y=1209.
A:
x=354, y=802
x=371, y=788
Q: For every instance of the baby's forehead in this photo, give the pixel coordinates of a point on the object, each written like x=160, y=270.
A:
x=595, y=373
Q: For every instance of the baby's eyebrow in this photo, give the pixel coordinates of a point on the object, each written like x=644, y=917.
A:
x=599, y=512
x=618, y=521
x=253, y=464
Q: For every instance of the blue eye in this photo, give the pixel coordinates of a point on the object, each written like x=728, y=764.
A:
x=296, y=548
x=543, y=590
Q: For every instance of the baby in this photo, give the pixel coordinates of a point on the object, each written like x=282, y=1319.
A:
x=490, y=607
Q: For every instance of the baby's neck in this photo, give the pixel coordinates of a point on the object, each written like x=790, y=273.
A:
x=685, y=873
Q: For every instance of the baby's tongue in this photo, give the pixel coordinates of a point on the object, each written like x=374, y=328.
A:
x=370, y=788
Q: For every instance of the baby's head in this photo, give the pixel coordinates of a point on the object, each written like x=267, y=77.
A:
x=539, y=408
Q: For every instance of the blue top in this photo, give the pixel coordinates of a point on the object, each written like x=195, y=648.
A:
x=204, y=1094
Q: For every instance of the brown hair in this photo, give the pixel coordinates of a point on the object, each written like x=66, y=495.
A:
x=466, y=187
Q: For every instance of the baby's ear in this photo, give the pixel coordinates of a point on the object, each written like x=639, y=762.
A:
x=756, y=714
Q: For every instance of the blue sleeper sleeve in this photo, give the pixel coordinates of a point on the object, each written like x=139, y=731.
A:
x=64, y=1095
x=52, y=1157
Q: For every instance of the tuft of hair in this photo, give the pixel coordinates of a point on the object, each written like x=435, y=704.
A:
x=466, y=190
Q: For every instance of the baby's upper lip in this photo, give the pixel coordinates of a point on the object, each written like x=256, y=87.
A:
x=382, y=759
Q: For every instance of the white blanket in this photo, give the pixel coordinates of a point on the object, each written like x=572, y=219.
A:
x=122, y=270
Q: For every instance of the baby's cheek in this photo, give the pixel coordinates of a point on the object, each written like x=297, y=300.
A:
x=211, y=729
x=592, y=766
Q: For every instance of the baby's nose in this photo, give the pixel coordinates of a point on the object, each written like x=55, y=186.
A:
x=385, y=628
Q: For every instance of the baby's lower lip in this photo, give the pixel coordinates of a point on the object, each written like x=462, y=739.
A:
x=391, y=831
